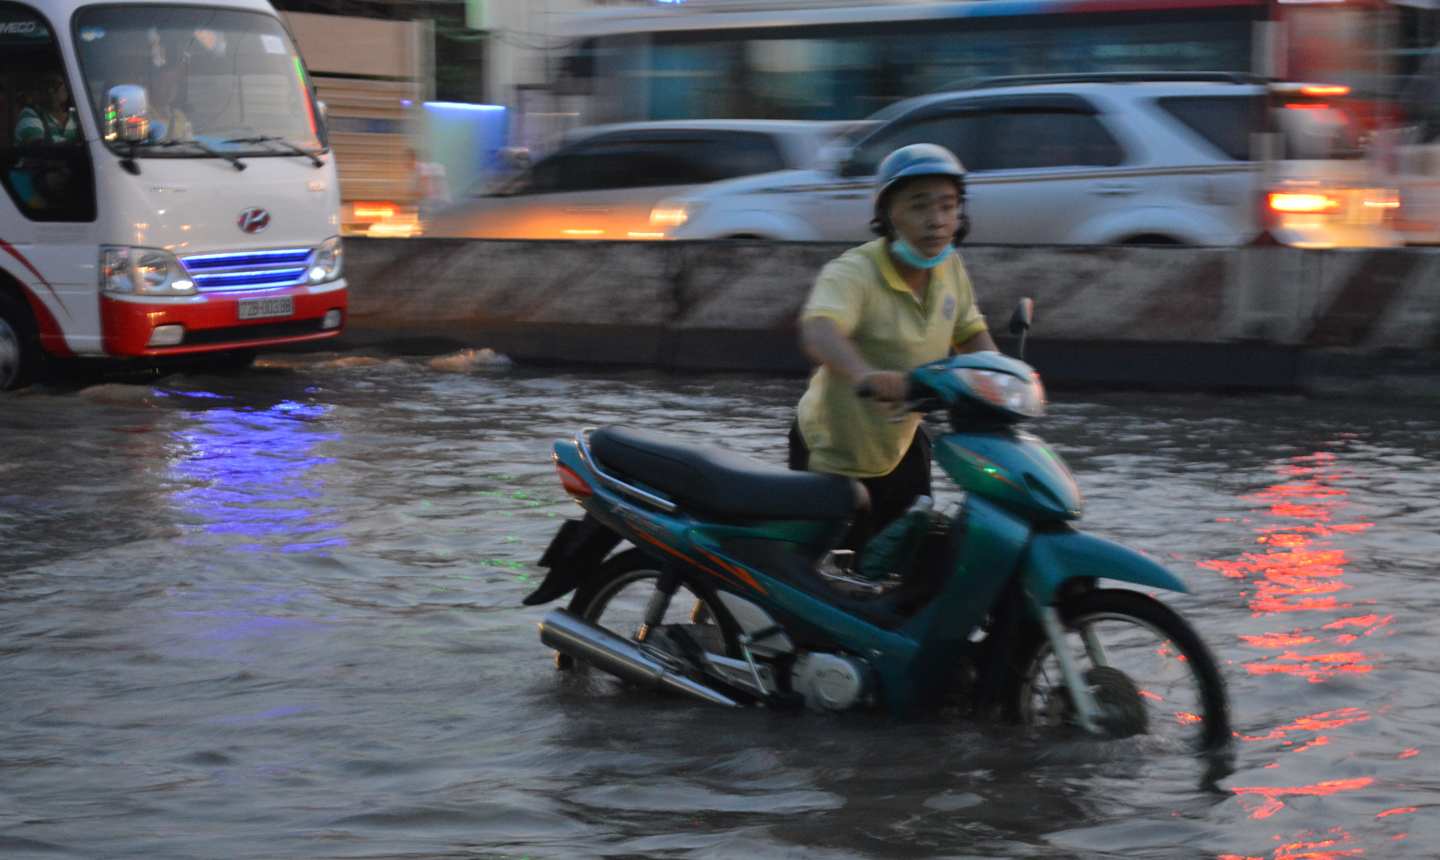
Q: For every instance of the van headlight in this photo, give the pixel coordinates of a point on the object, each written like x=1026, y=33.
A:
x=326, y=266
x=1023, y=397
x=143, y=272
x=673, y=212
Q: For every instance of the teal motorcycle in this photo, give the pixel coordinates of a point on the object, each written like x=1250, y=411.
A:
x=733, y=593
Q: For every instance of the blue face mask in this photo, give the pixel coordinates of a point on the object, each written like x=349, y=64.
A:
x=911, y=257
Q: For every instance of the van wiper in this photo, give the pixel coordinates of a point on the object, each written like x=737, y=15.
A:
x=284, y=144
x=214, y=153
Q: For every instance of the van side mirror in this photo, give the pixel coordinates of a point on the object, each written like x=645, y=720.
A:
x=517, y=158
x=1020, y=319
x=1020, y=324
x=835, y=157
x=324, y=111
x=125, y=119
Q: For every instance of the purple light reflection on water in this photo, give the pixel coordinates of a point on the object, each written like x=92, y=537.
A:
x=251, y=473
x=251, y=470
x=264, y=715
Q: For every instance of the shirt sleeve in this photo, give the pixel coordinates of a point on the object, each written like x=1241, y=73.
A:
x=838, y=295
x=969, y=322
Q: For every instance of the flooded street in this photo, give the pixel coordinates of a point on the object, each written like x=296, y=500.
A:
x=277, y=615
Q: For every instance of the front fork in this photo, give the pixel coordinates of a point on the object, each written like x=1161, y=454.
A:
x=1087, y=713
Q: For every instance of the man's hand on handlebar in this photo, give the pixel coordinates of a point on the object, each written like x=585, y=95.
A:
x=886, y=386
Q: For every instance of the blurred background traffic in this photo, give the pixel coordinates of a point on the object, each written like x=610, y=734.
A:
x=1200, y=122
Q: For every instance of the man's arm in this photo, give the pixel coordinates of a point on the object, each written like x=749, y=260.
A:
x=823, y=341
x=978, y=342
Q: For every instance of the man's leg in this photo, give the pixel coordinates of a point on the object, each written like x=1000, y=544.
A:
x=893, y=494
x=799, y=459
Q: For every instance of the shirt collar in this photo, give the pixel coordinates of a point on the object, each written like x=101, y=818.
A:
x=888, y=270
x=892, y=278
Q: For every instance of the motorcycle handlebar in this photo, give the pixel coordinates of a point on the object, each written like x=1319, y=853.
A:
x=866, y=390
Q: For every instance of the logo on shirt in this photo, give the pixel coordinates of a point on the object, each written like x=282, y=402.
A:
x=948, y=307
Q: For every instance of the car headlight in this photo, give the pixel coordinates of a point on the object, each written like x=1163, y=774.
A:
x=673, y=212
x=1024, y=397
x=327, y=261
x=143, y=272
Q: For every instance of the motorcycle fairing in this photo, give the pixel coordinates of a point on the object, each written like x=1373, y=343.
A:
x=1056, y=556
x=577, y=549
x=994, y=540
x=1014, y=469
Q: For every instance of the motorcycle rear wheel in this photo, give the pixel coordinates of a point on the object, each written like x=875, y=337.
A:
x=1148, y=670
x=617, y=596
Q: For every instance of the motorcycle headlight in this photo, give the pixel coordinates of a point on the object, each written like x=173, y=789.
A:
x=1023, y=397
x=327, y=261
x=143, y=272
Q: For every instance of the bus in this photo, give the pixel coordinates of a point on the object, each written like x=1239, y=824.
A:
x=721, y=59
x=168, y=186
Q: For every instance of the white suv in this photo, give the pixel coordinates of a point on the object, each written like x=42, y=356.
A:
x=1088, y=159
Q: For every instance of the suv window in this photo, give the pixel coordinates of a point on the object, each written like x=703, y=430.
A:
x=959, y=133
x=1019, y=140
x=999, y=140
x=1225, y=122
x=638, y=160
x=44, y=165
x=1310, y=129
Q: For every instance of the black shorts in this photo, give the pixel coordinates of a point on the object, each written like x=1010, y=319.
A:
x=890, y=495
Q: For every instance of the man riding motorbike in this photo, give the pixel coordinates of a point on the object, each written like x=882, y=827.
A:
x=878, y=310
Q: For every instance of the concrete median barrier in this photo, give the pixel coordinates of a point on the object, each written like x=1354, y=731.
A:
x=1263, y=317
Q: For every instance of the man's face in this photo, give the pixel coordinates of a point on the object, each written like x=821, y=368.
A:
x=57, y=92
x=926, y=213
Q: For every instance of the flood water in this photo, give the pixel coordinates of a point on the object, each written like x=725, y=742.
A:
x=277, y=615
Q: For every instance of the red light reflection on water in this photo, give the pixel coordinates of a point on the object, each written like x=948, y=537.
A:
x=1300, y=570
x=1332, y=845
x=1267, y=799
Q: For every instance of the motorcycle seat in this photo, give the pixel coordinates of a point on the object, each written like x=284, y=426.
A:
x=723, y=482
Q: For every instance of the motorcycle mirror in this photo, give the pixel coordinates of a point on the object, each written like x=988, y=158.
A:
x=1024, y=313
x=1020, y=324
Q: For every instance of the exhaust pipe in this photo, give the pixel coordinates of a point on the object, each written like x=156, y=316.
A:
x=570, y=634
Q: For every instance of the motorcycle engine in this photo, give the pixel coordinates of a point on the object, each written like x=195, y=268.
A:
x=832, y=682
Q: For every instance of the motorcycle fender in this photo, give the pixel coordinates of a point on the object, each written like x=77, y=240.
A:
x=576, y=550
x=1055, y=557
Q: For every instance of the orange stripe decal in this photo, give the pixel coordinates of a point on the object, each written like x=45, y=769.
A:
x=735, y=569
x=680, y=555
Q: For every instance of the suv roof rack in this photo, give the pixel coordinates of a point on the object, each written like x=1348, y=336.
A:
x=1103, y=78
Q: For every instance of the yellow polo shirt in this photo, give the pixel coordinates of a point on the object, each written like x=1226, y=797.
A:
x=863, y=294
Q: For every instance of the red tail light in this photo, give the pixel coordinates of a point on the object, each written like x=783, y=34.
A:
x=573, y=483
x=1309, y=203
x=1325, y=90
x=375, y=211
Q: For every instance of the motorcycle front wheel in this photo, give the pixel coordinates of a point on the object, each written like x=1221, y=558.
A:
x=618, y=596
x=1146, y=668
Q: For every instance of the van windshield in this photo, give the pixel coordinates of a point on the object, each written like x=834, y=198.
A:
x=218, y=82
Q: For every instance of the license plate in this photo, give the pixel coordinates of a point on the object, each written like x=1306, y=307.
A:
x=259, y=309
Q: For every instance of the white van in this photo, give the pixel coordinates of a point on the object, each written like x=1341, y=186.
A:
x=168, y=187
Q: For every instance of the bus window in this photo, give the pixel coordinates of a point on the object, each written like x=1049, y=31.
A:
x=44, y=166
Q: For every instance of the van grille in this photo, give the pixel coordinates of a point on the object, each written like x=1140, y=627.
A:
x=248, y=271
